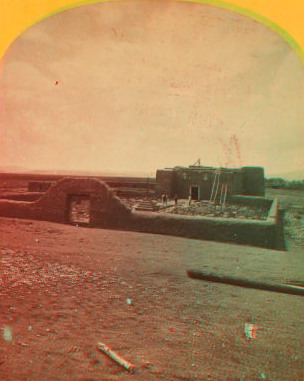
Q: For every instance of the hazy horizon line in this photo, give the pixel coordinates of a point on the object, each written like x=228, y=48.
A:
x=297, y=174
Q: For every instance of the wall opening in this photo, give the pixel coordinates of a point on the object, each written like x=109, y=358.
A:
x=194, y=191
x=79, y=209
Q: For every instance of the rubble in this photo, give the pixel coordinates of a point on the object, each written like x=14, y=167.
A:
x=204, y=208
x=209, y=210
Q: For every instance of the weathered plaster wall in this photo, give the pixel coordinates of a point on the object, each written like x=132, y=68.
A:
x=53, y=206
x=247, y=180
x=256, y=201
x=24, y=196
x=39, y=186
x=253, y=181
x=107, y=211
x=166, y=182
x=246, y=232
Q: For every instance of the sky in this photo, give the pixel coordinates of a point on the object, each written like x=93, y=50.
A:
x=131, y=87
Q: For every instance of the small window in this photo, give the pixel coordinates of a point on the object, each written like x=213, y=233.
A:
x=205, y=176
x=184, y=176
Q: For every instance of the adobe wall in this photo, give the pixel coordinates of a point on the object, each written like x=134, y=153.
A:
x=246, y=180
x=245, y=232
x=107, y=211
x=166, y=182
x=53, y=206
x=257, y=201
x=39, y=186
x=24, y=196
x=195, y=178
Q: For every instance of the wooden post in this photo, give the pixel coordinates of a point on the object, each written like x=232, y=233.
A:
x=114, y=356
x=242, y=282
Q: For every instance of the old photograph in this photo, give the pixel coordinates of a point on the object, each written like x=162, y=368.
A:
x=151, y=196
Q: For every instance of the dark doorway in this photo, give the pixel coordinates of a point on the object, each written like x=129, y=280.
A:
x=79, y=209
x=194, y=191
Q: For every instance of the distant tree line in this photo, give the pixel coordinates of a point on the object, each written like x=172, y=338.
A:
x=278, y=183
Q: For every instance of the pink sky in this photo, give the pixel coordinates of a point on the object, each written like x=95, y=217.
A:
x=131, y=87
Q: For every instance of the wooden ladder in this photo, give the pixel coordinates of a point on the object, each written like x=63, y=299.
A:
x=215, y=191
x=223, y=195
x=215, y=187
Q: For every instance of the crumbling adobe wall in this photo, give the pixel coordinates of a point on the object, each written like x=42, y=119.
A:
x=106, y=209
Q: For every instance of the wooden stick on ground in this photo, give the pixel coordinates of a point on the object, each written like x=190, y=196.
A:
x=248, y=283
x=114, y=356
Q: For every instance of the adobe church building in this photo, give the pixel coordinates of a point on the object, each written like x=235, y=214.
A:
x=202, y=182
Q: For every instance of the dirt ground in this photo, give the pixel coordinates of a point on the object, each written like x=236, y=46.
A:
x=65, y=288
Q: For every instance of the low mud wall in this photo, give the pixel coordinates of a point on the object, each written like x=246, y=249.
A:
x=274, y=211
x=256, y=201
x=246, y=232
x=108, y=211
x=25, y=196
x=54, y=205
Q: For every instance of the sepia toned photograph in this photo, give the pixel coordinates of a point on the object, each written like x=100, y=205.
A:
x=151, y=196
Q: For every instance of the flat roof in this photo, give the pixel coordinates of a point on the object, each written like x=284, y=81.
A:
x=203, y=169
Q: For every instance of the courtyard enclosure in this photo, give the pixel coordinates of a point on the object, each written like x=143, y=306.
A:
x=91, y=202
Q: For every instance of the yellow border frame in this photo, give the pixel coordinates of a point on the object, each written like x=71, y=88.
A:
x=285, y=17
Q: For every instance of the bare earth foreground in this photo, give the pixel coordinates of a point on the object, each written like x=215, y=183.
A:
x=65, y=288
